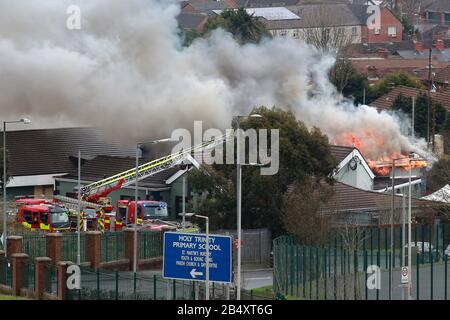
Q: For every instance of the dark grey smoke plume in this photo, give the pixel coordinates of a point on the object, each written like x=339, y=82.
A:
x=126, y=70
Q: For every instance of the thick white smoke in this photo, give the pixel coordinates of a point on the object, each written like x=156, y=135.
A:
x=126, y=69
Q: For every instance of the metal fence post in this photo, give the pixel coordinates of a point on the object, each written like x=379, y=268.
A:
x=117, y=285
x=335, y=270
x=365, y=273
x=154, y=287
x=445, y=277
x=297, y=270
x=98, y=284
x=134, y=282
x=378, y=263
x=417, y=275
x=355, y=270
x=174, y=290
x=325, y=272
x=310, y=270
x=304, y=271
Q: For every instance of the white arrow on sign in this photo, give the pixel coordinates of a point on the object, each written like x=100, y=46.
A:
x=194, y=274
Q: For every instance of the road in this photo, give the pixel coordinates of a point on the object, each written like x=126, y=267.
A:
x=150, y=284
x=257, y=279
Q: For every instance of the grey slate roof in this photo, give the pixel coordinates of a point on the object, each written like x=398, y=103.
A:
x=49, y=151
x=439, y=6
x=347, y=15
x=413, y=54
x=340, y=152
x=188, y=20
x=265, y=3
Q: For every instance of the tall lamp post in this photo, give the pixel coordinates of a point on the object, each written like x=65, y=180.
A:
x=5, y=216
x=138, y=148
x=238, y=199
x=206, y=254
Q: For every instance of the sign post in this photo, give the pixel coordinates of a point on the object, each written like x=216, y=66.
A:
x=405, y=275
x=185, y=257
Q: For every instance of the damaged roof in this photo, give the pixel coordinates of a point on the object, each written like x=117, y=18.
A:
x=51, y=151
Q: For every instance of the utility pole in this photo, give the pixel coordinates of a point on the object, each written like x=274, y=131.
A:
x=429, y=97
x=412, y=120
x=392, y=227
x=409, y=239
x=79, y=210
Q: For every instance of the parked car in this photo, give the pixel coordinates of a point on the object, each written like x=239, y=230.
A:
x=423, y=250
x=447, y=251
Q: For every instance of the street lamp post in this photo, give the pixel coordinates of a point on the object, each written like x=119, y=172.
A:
x=206, y=255
x=5, y=216
x=238, y=200
x=138, y=146
x=409, y=238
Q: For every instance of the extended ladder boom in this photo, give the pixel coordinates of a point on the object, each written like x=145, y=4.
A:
x=148, y=169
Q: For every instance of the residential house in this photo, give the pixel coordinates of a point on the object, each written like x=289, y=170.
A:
x=385, y=102
x=355, y=206
x=352, y=169
x=436, y=12
x=192, y=21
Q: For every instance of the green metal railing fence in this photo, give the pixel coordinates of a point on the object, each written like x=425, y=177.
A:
x=5, y=272
x=111, y=246
x=338, y=270
x=115, y=285
x=69, y=247
x=150, y=244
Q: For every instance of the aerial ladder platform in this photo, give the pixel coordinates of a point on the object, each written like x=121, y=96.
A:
x=100, y=188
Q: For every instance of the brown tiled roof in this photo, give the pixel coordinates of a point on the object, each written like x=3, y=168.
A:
x=104, y=166
x=443, y=76
x=385, y=102
x=340, y=152
x=382, y=183
x=48, y=151
x=382, y=67
x=348, y=198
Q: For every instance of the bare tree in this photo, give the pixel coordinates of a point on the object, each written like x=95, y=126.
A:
x=326, y=29
x=303, y=212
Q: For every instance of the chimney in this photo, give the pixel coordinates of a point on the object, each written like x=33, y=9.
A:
x=440, y=45
x=419, y=46
x=383, y=53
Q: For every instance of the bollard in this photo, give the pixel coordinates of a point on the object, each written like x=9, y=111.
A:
x=128, y=238
x=54, y=243
x=18, y=263
x=62, y=278
x=14, y=245
x=41, y=278
x=93, y=248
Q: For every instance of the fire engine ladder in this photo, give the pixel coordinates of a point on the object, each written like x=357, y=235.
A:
x=72, y=203
x=153, y=167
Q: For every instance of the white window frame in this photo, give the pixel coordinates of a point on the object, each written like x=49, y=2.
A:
x=392, y=35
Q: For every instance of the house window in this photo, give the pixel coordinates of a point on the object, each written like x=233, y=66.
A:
x=377, y=30
x=283, y=33
x=354, y=31
x=447, y=19
x=392, y=32
x=433, y=17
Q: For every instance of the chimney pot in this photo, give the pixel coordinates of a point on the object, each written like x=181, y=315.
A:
x=419, y=46
x=440, y=45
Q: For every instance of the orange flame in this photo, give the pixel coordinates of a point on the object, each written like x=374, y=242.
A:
x=383, y=165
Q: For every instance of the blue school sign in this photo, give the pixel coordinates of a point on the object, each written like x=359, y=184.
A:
x=184, y=257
